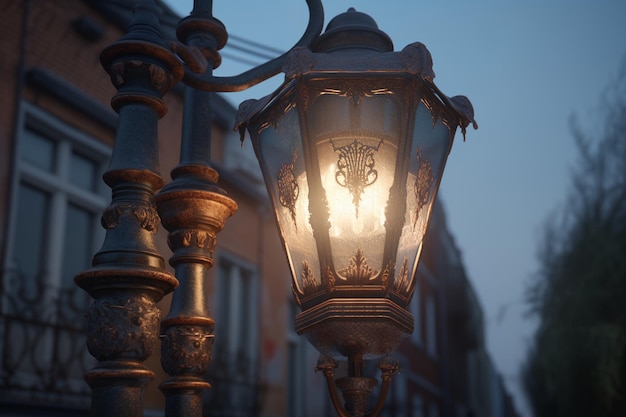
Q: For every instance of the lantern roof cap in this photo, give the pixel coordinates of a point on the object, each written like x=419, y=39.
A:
x=352, y=30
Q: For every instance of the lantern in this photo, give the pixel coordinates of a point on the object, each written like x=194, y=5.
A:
x=352, y=148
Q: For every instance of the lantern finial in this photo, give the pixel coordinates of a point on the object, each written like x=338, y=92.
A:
x=353, y=30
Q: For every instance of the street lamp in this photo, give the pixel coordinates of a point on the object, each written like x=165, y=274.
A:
x=352, y=148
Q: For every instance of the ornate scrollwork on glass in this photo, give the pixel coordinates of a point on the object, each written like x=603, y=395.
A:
x=356, y=168
x=358, y=272
x=309, y=285
x=402, y=280
x=288, y=190
x=423, y=182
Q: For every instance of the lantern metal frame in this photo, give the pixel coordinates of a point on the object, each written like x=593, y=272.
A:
x=352, y=311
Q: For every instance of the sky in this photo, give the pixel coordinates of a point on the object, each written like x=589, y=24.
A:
x=529, y=67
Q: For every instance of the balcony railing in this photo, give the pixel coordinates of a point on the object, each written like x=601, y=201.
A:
x=42, y=349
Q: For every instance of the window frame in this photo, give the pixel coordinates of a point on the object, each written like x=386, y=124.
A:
x=417, y=406
x=432, y=330
x=236, y=385
x=252, y=320
x=296, y=364
x=61, y=191
x=48, y=320
x=415, y=307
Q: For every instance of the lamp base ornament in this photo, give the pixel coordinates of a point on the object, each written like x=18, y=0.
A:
x=355, y=388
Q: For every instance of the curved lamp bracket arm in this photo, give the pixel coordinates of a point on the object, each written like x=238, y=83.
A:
x=326, y=364
x=207, y=82
x=388, y=367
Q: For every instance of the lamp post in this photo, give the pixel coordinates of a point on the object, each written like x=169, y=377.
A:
x=352, y=148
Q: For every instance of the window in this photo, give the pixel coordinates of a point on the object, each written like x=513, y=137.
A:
x=433, y=410
x=417, y=406
x=415, y=307
x=295, y=365
x=58, y=201
x=397, y=402
x=234, y=372
x=54, y=219
x=431, y=325
x=242, y=161
x=237, y=316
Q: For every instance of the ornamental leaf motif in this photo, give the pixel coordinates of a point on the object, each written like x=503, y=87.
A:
x=402, y=280
x=309, y=285
x=358, y=272
x=145, y=214
x=196, y=238
x=356, y=168
x=328, y=278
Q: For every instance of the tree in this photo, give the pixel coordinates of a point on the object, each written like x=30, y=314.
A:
x=577, y=364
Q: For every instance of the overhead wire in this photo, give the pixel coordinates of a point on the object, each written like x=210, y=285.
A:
x=247, y=52
x=255, y=44
x=239, y=59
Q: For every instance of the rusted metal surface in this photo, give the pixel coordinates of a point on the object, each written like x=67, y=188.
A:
x=193, y=209
x=128, y=275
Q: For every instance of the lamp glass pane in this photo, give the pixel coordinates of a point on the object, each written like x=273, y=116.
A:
x=279, y=150
x=429, y=151
x=355, y=140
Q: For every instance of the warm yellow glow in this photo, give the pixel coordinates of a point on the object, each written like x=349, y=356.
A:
x=357, y=218
x=302, y=205
x=343, y=215
x=343, y=219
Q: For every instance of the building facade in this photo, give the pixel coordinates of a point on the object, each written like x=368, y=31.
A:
x=56, y=136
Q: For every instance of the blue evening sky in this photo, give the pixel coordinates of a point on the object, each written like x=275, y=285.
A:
x=527, y=67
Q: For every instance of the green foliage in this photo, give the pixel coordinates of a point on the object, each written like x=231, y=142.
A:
x=577, y=365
